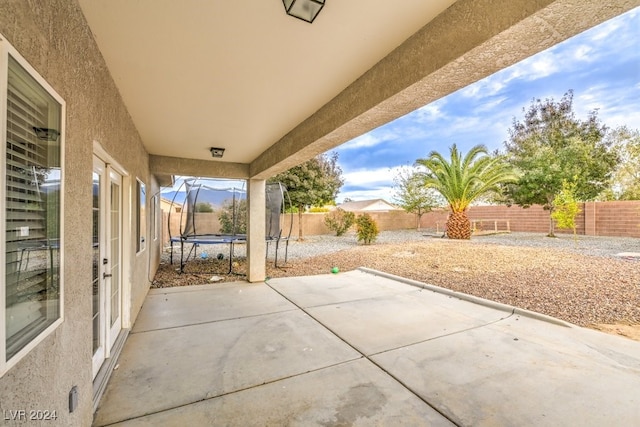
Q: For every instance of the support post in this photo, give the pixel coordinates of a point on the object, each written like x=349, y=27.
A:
x=256, y=226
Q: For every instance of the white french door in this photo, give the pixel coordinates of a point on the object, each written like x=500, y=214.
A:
x=107, y=260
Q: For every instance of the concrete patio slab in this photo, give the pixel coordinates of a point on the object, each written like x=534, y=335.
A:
x=382, y=324
x=167, y=368
x=524, y=372
x=311, y=291
x=172, y=307
x=399, y=315
x=351, y=394
x=356, y=349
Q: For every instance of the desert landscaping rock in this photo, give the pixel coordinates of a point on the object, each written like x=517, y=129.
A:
x=584, y=282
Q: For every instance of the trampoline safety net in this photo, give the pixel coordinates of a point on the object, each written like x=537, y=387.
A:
x=210, y=214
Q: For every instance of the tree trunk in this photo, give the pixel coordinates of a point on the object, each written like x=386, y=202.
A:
x=459, y=226
x=551, y=225
x=300, y=208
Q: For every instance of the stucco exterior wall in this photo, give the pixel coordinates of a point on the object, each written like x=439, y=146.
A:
x=54, y=37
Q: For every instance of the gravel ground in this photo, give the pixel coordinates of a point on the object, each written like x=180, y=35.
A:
x=584, y=282
x=585, y=245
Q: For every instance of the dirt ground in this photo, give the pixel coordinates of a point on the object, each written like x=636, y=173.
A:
x=597, y=292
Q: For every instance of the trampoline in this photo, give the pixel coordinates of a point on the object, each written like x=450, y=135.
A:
x=214, y=215
x=197, y=241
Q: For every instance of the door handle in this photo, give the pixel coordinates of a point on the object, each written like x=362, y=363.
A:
x=105, y=275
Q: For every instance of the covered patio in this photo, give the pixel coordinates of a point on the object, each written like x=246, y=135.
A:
x=148, y=90
x=362, y=348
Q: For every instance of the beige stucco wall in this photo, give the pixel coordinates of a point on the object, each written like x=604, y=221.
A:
x=53, y=36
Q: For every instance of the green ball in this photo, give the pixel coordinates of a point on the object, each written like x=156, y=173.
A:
x=335, y=270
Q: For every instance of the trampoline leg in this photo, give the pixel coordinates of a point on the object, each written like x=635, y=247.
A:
x=183, y=261
x=181, y=257
x=286, y=252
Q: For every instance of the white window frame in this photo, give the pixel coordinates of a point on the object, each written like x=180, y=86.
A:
x=7, y=49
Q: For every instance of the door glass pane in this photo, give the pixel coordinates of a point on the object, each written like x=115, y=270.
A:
x=115, y=253
x=33, y=180
x=95, y=281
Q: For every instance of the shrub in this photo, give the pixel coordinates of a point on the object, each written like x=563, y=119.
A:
x=203, y=207
x=339, y=221
x=366, y=229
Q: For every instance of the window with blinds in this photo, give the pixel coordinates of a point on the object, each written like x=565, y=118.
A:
x=32, y=209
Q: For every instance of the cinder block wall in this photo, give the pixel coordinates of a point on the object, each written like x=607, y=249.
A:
x=532, y=219
x=618, y=218
x=599, y=219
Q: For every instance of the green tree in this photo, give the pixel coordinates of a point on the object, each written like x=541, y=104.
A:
x=461, y=180
x=551, y=145
x=626, y=177
x=565, y=207
x=315, y=182
x=411, y=194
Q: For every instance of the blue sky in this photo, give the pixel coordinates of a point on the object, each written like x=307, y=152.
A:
x=601, y=65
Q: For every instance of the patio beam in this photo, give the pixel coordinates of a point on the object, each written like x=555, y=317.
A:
x=164, y=166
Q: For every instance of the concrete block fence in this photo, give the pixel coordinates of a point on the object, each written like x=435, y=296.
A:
x=616, y=219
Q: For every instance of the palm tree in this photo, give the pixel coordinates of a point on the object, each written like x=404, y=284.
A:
x=462, y=180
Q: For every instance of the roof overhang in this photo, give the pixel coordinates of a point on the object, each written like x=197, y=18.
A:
x=275, y=91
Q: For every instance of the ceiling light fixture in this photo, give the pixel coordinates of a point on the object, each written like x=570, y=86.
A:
x=216, y=152
x=307, y=10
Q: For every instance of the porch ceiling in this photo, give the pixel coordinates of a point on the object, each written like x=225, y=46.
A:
x=274, y=91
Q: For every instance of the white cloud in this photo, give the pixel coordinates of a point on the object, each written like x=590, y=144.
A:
x=373, y=138
x=603, y=31
x=370, y=177
x=584, y=53
x=489, y=86
x=490, y=104
x=536, y=67
x=363, y=141
x=429, y=113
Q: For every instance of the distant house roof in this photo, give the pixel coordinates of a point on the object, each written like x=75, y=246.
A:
x=376, y=205
x=168, y=205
